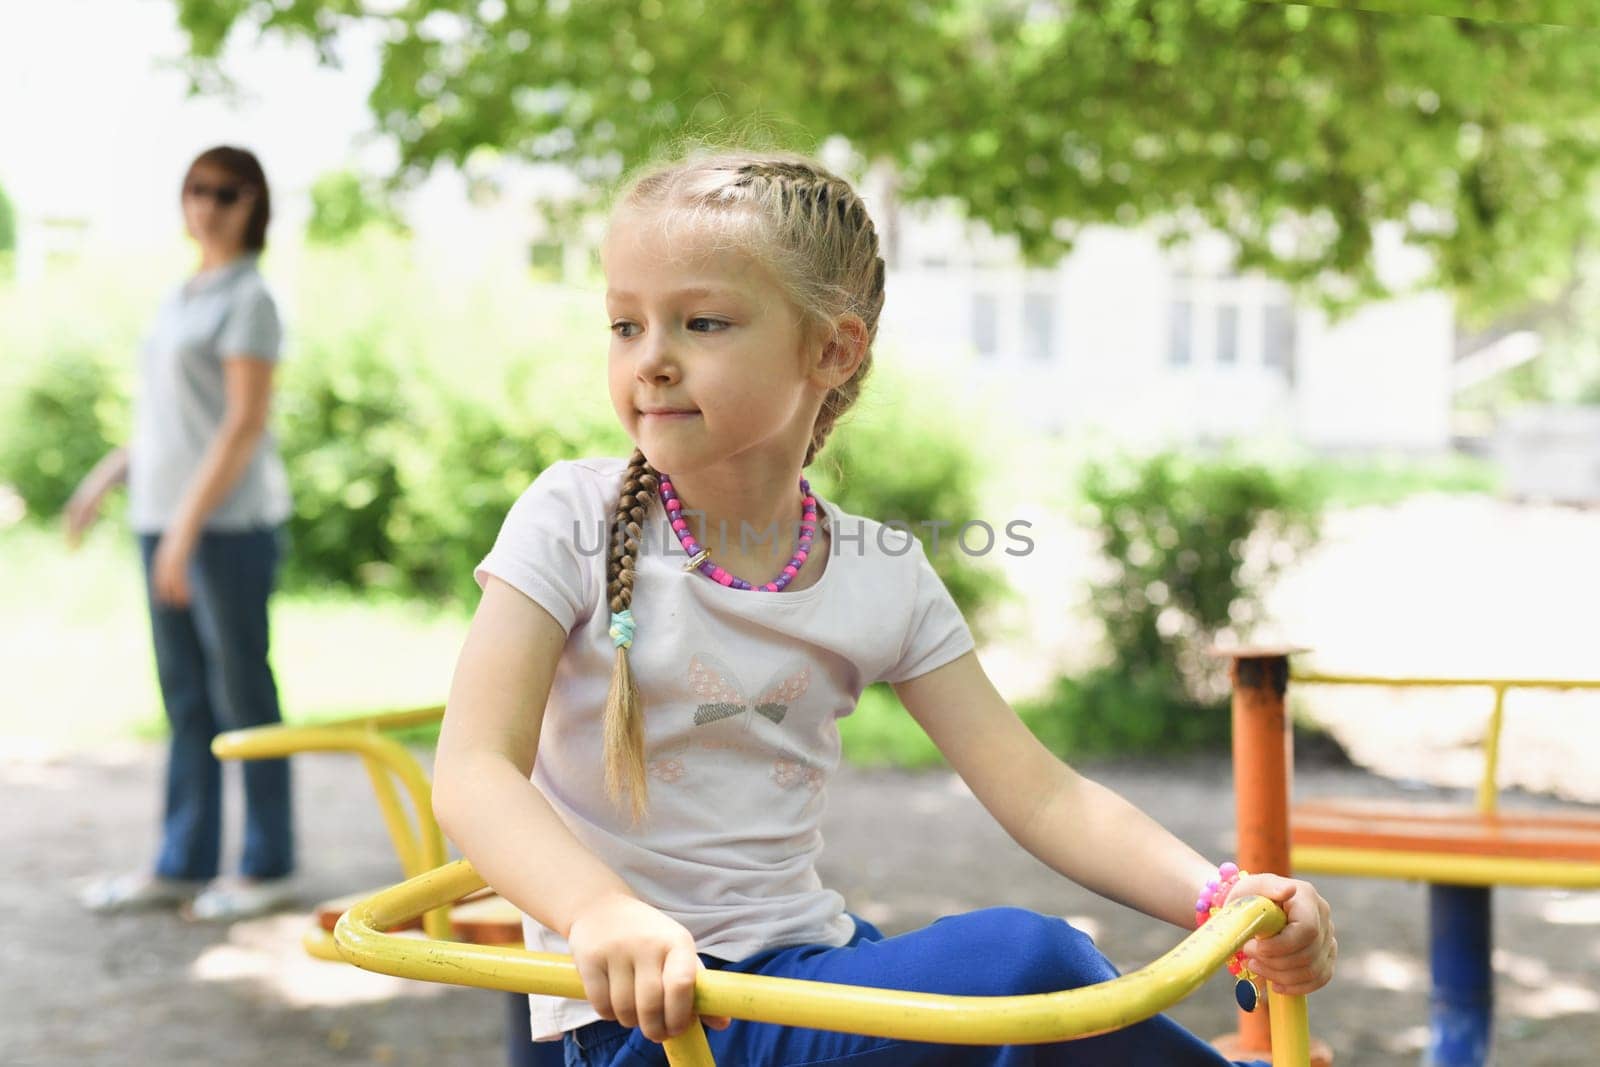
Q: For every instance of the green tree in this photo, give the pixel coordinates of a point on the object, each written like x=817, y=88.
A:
x=1295, y=130
x=344, y=203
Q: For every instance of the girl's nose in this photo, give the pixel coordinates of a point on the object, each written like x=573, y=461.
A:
x=657, y=362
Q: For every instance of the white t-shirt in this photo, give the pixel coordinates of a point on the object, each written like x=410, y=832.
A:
x=741, y=692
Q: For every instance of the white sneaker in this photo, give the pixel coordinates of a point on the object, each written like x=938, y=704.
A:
x=241, y=898
x=141, y=891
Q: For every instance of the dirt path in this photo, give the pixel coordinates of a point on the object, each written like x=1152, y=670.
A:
x=75, y=989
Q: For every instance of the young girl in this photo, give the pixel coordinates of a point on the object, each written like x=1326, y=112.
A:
x=675, y=635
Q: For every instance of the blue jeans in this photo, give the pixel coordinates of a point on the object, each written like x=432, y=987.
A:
x=988, y=952
x=211, y=657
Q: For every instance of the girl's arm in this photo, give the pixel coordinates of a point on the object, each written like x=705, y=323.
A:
x=637, y=964
x=1073, y=825
x=1090, y=834
x=482, y=793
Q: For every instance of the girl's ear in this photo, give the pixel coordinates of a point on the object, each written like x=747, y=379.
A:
x=842, y=355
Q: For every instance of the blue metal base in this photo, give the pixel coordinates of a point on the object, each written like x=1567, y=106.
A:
x=1462, y=1010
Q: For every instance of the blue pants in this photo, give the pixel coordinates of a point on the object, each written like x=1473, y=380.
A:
x=211, y=657
x=989, y=952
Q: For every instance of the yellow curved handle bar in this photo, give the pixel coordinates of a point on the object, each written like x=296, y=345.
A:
x=887, y=1013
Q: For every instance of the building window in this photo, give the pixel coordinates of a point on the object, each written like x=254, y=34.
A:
x=1278, y=339
x=986, y=324
x=1227, y=334
x=1180, y=323
x=1038, y=325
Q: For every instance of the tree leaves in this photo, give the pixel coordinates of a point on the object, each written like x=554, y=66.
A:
x=1297, y=131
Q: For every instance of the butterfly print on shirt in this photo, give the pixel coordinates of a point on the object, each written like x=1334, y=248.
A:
x=722, y=696
x=792, y=772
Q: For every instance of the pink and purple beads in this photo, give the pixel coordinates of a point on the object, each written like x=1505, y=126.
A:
x=680, y=526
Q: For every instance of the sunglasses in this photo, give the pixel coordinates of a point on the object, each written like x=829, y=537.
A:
x=223, y=195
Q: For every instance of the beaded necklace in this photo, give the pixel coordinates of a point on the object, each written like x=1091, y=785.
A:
x=700, y=558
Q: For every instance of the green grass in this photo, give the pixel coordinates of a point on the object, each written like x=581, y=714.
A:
x=75, y=645
x=1389, y=480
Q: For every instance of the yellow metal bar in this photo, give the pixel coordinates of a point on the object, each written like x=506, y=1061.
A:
x=286, y=739
x=1487, y=790
x=1312, y=678
x=271, y=742
x=856, y=1009
x=690, y=1048
x=1291, y=1030
x=319, y=943
x=418, y=851
x=394, y=818
x=1453, y=869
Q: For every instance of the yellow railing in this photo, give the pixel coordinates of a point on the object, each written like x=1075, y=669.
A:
x=417, y=841
x=1488, y=788
x=884, y=1013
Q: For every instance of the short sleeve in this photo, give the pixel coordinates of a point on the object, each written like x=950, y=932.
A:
x=936, y=632
x=252, y=327
x=549, y=546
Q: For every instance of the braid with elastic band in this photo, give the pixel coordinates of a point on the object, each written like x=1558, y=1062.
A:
x=623, y=725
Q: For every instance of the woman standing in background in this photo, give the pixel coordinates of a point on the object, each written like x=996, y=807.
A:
x=208, y=499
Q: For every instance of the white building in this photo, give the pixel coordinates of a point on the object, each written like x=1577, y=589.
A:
x=1147, y=346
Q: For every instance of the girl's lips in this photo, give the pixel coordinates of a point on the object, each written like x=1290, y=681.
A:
x=668, y=414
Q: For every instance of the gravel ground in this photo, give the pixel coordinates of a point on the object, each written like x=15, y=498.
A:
x=153, y=989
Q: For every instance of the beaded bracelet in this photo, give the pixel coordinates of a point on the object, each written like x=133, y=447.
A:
x=1245, y=989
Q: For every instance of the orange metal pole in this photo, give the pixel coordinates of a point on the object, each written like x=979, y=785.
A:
x=1261, y=760
x=1263, y=765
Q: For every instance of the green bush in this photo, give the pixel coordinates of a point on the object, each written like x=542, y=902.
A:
x=888, y=461
x=342, y=423
x=1110, y=711
x=1190, y=545
x=460, y=483
x=70, y=411
x=343, y=204
x=399, y=484
x=8, y=224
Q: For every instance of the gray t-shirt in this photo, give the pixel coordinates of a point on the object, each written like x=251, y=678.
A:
x=222, y=313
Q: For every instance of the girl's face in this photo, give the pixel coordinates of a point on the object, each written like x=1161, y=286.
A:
x=216, y=207
x=708, y=359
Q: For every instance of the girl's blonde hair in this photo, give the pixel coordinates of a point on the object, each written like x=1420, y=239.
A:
x=813, y=233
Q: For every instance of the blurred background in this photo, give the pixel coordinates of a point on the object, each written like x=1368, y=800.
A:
x=1277, y=323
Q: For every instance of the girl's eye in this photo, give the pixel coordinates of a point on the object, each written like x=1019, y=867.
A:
x=697, y=323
